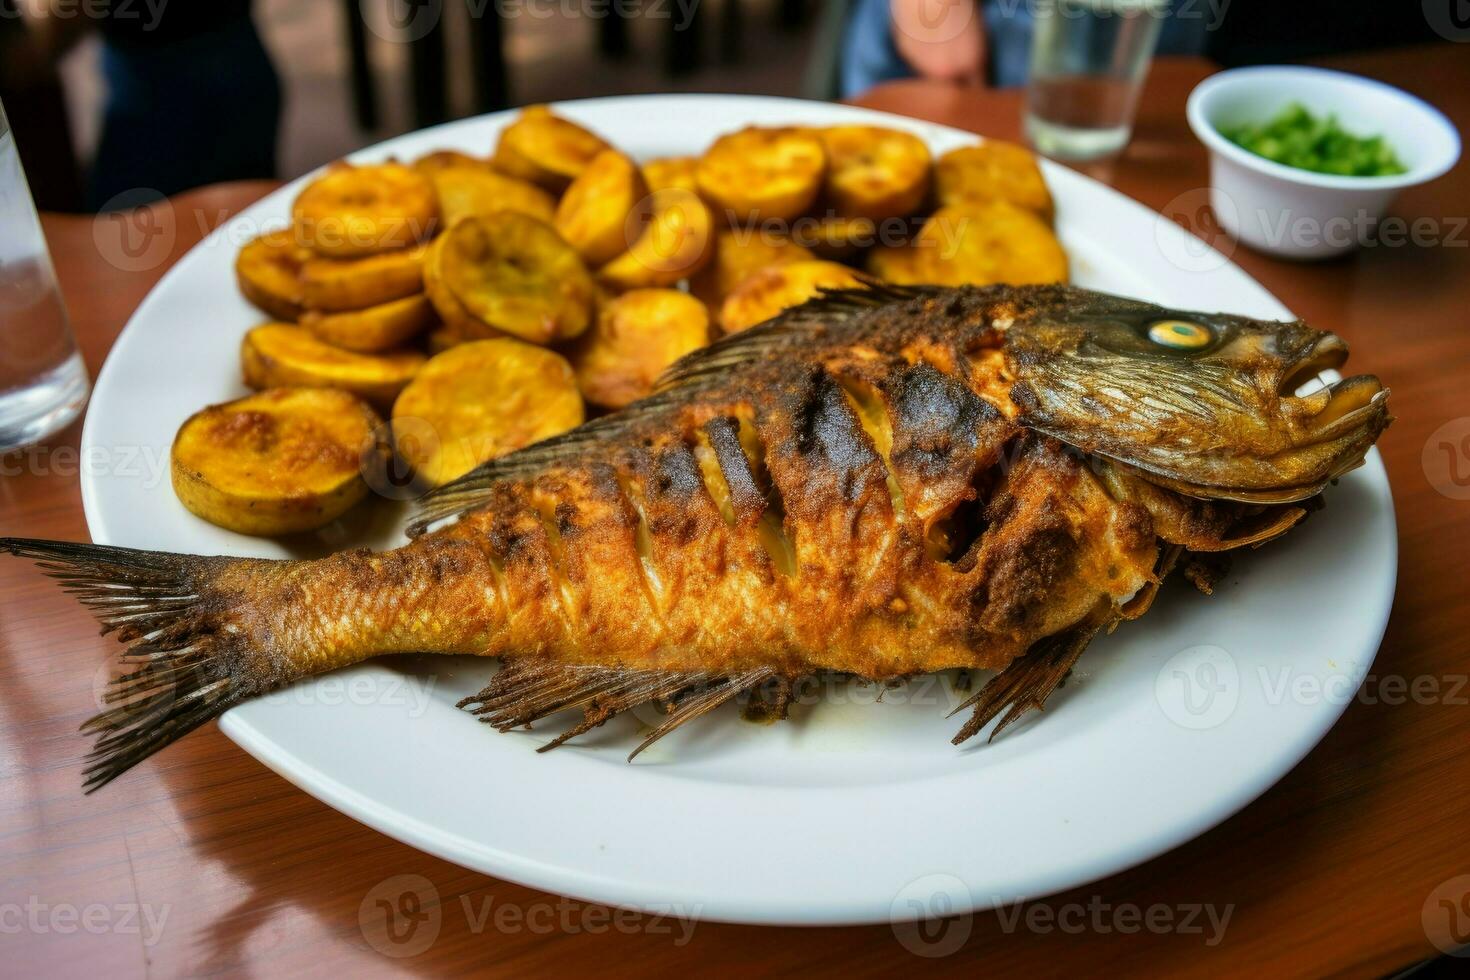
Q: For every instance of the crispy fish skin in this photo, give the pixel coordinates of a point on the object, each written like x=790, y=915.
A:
x=883, y=482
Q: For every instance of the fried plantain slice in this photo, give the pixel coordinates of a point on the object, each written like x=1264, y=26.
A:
x=673, y=236
x=666, y=172
x=762, y=174
x=283, y=355
x=899, y=264
x=451, y=311
x=989, y=242
x=333, y=285
x=635, y=337
x=840, y=237
x=266, y=270
x=352, y=211
x=775, y=288
x=482, y=399
x=511, y=274
x=376, y=328
x=593, y=214
x=431, y=163
x=468, y=191
x=874, y=172
x=993, y=171
x=546, y=149
x=276, y=462
x=738, y=253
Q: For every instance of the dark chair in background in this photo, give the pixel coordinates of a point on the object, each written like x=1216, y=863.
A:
x=683, y=49
x=429, y=84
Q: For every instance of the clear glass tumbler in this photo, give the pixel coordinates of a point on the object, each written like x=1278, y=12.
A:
x=43, y=382
x=1088, y=61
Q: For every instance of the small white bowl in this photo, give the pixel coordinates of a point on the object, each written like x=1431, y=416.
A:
x=1297, y=213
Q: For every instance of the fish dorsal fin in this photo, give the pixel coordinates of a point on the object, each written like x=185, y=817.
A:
x=790, y=328
x=684, y=380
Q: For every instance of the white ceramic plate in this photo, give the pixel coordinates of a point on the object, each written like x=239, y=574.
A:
x=853, y=811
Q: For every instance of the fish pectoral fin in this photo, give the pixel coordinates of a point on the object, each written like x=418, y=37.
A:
x=527, y=689
x=1027, y=682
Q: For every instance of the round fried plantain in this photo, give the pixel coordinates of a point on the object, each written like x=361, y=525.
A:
x=332, y=285
x=738, y=253
x=353, y=211
x=776, y=288
x=277, y=355
x=376, y=328
x=277, y=462
x=993, y=171
x=839, y=237
x=672, y=232
x=762, y=174
x=469, y=191
x=635, y=337
x=479, y=400
x=509, y=273
x=266, y=269
x=545, y=149
x=901, y=265
x=874, y=172
x=593, y=214
x=666, y=172
x=989, y=242
x=431, y=163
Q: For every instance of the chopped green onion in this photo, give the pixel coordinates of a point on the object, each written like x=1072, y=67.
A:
x=1299, y=139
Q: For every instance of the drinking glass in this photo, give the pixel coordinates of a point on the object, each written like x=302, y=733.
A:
x=1088, y=61
x=43, y=382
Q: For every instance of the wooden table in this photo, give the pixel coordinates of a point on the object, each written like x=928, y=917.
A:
x=1327, y=872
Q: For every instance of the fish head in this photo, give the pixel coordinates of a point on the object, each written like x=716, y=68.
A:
x=1208, y=404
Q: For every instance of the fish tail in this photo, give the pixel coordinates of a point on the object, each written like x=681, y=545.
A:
x=185, y=670
x=206, y=633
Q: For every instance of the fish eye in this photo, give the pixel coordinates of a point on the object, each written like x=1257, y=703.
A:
x=1180, y=334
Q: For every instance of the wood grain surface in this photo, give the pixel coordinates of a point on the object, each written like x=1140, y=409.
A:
x=202, y=861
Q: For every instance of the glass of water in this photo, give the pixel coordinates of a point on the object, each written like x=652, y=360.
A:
x=43, y=382
x=1088, y=61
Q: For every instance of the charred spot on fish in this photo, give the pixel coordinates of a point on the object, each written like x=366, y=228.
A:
x=747, y=498
x=676, y=473
x=872, y=414
x=935, y=417
x=828, y=434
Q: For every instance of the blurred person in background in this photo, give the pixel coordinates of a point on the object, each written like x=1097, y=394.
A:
x=988, y=42
x=192, y=96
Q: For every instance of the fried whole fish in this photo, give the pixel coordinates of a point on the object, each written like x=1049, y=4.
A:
x=883, y=482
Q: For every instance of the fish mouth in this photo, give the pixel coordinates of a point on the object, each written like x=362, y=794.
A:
x=1329, y=431
x=1327, y=353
